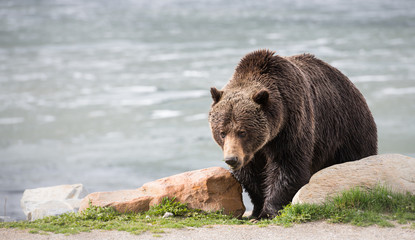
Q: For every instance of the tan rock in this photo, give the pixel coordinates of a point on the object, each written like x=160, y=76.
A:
x=210, y=189
x=392, y=170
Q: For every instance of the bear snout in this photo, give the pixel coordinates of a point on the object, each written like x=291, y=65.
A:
x=233, y=152
x=232, y=161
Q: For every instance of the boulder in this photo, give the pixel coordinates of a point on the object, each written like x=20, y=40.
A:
x=391, y=170
x=51, y=201
x=210, y=189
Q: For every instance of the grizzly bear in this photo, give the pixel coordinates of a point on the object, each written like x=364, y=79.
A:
x=281, y=119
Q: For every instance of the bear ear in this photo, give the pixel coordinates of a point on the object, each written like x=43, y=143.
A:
x=261, y=97
x=216, y=94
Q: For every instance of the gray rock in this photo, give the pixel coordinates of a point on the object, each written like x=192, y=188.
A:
x=395, y=171
x=51, y=201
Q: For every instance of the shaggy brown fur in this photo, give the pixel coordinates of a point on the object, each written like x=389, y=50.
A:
x=281, y=119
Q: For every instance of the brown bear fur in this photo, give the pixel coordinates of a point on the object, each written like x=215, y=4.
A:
x=281, y=119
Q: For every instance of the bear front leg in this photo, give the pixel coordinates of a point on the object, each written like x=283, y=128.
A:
x=252, y=179
x=282, y=181
x=250, y=183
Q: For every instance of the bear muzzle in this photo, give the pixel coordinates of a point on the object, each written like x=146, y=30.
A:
x=236, y=163
x=234, y=154
x=232, y=161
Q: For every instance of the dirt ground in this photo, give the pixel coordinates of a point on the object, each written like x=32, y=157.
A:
x=315, y=230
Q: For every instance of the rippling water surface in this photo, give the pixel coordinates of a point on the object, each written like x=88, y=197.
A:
x=113, y=94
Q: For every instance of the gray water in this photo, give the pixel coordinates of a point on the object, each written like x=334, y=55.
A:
x=113, y=94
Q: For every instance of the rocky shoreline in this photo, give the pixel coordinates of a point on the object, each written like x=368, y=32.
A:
x=215, y=189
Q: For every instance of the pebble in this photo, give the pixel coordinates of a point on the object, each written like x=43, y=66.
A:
x=168, y=214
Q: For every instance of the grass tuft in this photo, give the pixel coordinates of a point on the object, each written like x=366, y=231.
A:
x=360, y=207
x=357, y=206
x=170, y=205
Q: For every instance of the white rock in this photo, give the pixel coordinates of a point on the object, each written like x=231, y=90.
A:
x=50, y=208
x=40, y=202
x=391, y=170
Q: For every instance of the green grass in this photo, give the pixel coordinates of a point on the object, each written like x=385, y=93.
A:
x=360, y=207
x=357, y=206
x=106, y=218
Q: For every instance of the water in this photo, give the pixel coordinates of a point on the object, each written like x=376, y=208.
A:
x=113, y=94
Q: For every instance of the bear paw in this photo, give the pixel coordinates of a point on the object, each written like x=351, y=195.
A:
x=268, y=213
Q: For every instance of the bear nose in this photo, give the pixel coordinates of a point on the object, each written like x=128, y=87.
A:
x=231, y=161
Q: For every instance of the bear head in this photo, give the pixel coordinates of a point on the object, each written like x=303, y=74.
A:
x=249, y=111
x=240, y=123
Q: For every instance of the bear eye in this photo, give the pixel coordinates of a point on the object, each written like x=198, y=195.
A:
x=222, y=134
x=241, y=134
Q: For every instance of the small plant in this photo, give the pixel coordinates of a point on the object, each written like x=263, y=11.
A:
x=98, y=213
x=169, y=205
